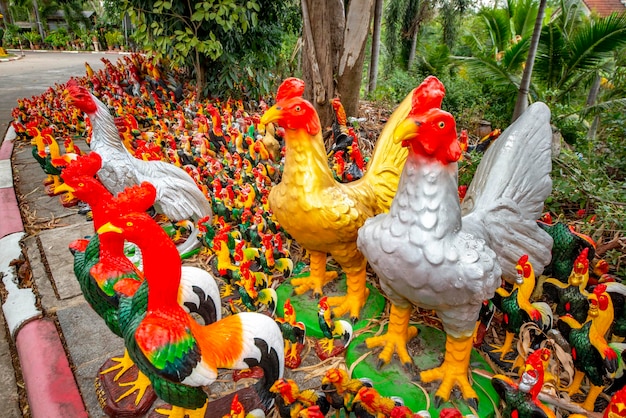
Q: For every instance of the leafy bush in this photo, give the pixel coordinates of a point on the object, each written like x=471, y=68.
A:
x=33, y=38
x=114, y=38
x=58, y=38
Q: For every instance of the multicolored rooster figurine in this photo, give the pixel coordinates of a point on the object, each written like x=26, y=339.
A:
x=593, y=356
x=431, y=252
x=517, y=307
x=572, y=297
x=521, y=399
x=164, y=339
x=337, y=333
x=294, y=333
x=102, y=269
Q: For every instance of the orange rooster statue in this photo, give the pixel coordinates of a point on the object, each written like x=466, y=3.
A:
x=431, y=252
x=321, y=214
x=178, y=196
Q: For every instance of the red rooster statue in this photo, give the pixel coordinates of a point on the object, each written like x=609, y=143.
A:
x=167, y=340
x=431, y=252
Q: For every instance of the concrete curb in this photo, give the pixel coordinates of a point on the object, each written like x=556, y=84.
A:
x=49, y=380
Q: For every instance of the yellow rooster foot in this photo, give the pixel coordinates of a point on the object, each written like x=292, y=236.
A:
x=314, y=282
x=393, y=343
x=178, y=412
x=351, y=303
x=124, y=363
x=453, y=372
x=140, y=385
x=226, y=290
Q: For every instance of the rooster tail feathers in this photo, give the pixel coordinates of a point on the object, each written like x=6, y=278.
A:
x=509, y=189
x=265, y=349
x=547, y=317
x=199, y=294
x=388, y=158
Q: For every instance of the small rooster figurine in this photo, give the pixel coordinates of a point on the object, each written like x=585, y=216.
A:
x=239, y=341
x=290, y=400
x=237, y=410
x=337, y=333
x=321, y=214
x=521, y=399
x=572, y=297
x=431, y=252
x=340, y=389
x=593, y=356
x=517, y=307
x=293, y=333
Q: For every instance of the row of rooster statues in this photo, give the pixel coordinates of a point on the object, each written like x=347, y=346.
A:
x=254, y=192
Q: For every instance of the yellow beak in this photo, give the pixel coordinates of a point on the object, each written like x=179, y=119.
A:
x=273, y=114
x=63, y=187
x=407, y=129
x=109, y=227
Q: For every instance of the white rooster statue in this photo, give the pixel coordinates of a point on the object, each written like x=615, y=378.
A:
x=431, y=252
x=178, y=196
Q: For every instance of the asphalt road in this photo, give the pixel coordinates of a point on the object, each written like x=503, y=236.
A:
x=35, y=72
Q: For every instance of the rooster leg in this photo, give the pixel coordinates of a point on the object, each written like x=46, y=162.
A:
x=506, y=347
x=178, y=412
x=453, y=371
x=575, y=386
x=318, y=277
x=355, y=297
x=397, y=336
x=589, y=403
x=123, y=364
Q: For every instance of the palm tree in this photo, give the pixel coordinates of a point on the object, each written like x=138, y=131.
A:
x=572, y=50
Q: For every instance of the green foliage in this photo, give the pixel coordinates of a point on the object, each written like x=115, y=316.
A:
x=11, y=37
x=58, y=38
x=32, y=37
x=581, y=181
x=114, y=38
x=231, y=45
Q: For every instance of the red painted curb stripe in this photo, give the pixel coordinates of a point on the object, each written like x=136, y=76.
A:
x=50, y=385
x=11, y=221
x=6, y=149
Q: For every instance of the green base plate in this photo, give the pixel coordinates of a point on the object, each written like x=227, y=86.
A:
x=306, y=305
x=427, y=350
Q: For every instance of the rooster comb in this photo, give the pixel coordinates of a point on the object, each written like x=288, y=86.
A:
x=427, y=95
x=291, y=87
x=137, y=198
x=84, y=166
x=581, y=265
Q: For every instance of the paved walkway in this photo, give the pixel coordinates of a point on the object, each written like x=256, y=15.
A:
x=60, y=341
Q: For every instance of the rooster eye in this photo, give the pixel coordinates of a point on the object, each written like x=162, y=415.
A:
x=297, y=108
x=129, y=224
x=442, y=124
x=81, y=184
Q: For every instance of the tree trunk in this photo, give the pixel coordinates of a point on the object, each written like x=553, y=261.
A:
x=334, y=44
x=373, y=69
x=522, y=94
x=358, y=21
x=318, y=55
x=411, y=59
x=591, y=100
x=4, y=10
